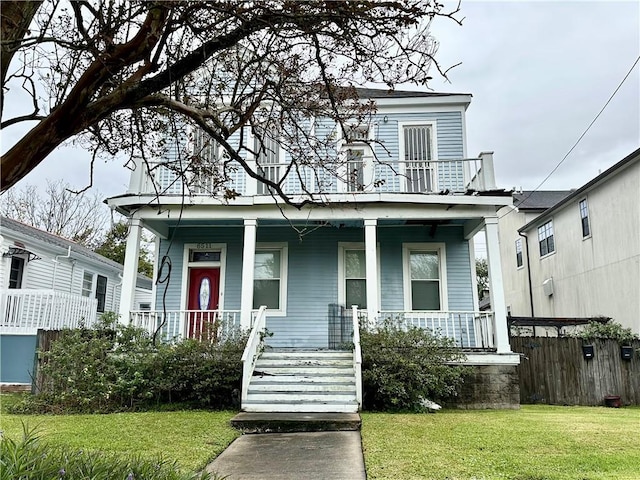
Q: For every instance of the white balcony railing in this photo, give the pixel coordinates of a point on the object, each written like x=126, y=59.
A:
x=25, y=311
x=213, y=325
x=467, y=329
x=453, y=175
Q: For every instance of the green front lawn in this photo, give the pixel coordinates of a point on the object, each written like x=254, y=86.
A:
x=191, y=437
x=533, y=443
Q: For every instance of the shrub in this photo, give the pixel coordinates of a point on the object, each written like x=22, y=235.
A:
x=32, y=459
x=110, y=369
x=610, y=330
x=403, y=366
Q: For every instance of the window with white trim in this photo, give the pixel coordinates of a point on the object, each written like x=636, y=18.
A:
x=16, y=272
x=519, y=253
x=584, y=218
x=87, y=284
x=270, y=278
x=425, y=277
x=545, y=238
x=101, y=292
x=355, y=278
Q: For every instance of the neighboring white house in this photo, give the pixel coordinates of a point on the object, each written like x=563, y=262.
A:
x=393, y=241
x=577, y=253
x=50, y=282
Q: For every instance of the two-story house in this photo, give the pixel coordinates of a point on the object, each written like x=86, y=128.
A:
x=392, y=240
x=579, y=254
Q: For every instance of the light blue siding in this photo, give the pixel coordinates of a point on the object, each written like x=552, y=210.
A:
x=312, y=277
x=388, y=171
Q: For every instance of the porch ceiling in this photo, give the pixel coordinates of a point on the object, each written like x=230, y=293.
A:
x=161, y=226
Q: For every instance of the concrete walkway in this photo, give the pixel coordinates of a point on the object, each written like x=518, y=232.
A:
x=300, y=456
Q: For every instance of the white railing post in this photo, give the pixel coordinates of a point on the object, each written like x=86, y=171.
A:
x=252, y=351
x=357, y=355
x=488, y=174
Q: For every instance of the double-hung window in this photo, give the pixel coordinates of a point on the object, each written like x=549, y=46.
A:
x=519, y=252
x=425, y=277
x=270, y=277
x=87, y=284
x=545, y=238
x=101, y=292
x=353, y=272
x=584, y=218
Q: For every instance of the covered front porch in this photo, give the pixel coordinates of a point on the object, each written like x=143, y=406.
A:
x=409, y=263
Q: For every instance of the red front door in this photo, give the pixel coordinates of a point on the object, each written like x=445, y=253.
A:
x=204, y=289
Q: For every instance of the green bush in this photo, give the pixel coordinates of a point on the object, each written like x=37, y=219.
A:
x=403, y=366
x=33, y=459
x=109, y=369
x=610, y=330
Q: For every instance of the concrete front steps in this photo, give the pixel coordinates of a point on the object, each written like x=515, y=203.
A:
x=307, y=381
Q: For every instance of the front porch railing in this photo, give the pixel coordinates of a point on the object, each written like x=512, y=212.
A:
x=24, y=311
x=468, y=329
x=213, y=325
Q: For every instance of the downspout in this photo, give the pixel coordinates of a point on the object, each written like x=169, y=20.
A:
x=55, y=267
x=114, y=293
x=526, y=244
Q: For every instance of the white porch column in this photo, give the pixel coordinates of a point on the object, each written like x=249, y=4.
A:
x=496, y=289
x=248, y=261
x=371, y=260
x=130, y=270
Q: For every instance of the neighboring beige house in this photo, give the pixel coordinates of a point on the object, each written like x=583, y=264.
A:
x=577, y=253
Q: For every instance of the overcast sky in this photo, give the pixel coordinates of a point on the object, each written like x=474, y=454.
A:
x=539, y=72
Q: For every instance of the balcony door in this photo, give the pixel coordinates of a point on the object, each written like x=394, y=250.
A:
x=419, y=168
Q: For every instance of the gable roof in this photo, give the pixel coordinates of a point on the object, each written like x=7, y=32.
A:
x=539, y=200
x=603, y=177
x=29, y=232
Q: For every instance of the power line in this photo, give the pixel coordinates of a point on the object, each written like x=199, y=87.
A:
x=581, y=136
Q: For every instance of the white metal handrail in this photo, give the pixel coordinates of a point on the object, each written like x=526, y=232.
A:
x=357, y=354
x=24, y=311
x=252, y=350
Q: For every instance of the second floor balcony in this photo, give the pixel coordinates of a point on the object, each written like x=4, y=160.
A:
x=354, y=176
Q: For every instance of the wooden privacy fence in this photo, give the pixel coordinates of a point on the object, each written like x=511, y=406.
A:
x=554, y=371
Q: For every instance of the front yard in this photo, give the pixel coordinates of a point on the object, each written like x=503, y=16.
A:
x=534, y=443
